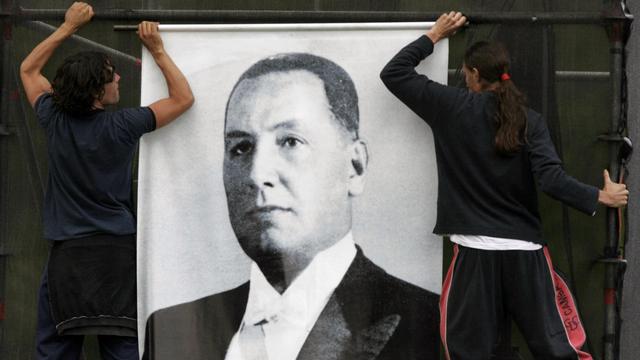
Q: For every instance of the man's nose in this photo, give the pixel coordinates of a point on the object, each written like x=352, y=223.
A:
x=263, y=166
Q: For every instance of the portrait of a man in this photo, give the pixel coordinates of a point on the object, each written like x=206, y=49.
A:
x=293, y=163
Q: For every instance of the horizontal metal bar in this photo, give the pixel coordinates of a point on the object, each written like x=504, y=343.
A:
x=582, y=75
x=40, y=26
x=115, y=54
x=278, y=16
x=564, y=75
x=612, y=261
x=611, y=137
x=286, y=27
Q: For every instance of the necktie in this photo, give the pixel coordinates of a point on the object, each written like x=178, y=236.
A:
x=252, y=341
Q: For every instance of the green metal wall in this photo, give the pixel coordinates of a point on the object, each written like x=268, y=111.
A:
x=583, y=108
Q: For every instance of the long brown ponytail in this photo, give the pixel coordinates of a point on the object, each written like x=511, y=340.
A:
x=492, y=62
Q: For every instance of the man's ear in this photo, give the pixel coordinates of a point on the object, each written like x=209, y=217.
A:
x=476, y=74
x=359, y=163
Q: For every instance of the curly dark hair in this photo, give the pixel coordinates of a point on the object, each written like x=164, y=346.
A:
x=80, y=80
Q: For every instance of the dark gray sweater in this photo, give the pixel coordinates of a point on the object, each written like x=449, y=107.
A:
x=481, y=192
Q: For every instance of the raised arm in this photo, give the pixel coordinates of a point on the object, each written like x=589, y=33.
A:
x=419, y=93
x=33, y=81
x=180, y=96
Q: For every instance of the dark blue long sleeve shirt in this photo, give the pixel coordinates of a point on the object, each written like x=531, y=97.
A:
x=481, y=192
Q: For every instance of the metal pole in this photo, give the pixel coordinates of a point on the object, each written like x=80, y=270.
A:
x=611, y=250
x=617, y=32
x=565, y=75
x=115, y=54
x=272, y=16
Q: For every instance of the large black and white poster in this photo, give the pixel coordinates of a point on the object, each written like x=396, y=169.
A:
x=296, y=196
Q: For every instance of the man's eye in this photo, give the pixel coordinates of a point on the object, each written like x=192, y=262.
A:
x=291, y=142
x=241, y=148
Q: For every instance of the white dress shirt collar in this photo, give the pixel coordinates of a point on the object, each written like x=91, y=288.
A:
x=291, y=316
x=308, y=292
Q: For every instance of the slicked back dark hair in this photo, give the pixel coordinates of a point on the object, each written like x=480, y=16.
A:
x=338, y=86
x=80, y=80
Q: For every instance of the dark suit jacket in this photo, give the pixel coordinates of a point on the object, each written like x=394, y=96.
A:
x=370, y=315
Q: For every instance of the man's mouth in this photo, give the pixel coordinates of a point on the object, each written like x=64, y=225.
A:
x=267, y=210
x=267, y=213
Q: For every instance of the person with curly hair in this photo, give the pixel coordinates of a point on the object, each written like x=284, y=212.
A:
x=88, y=286
x=80, y=80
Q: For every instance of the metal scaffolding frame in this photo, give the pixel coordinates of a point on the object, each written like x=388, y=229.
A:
x=282, y=16
x=615, y=19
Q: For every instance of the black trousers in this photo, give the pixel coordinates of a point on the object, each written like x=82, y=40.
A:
x=482, y=285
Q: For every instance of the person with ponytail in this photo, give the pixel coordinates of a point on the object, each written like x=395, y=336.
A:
x=491, y=152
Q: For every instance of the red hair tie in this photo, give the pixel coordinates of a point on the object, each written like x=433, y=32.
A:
x=505, y=77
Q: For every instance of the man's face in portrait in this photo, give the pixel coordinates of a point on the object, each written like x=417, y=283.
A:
x=288, y=166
